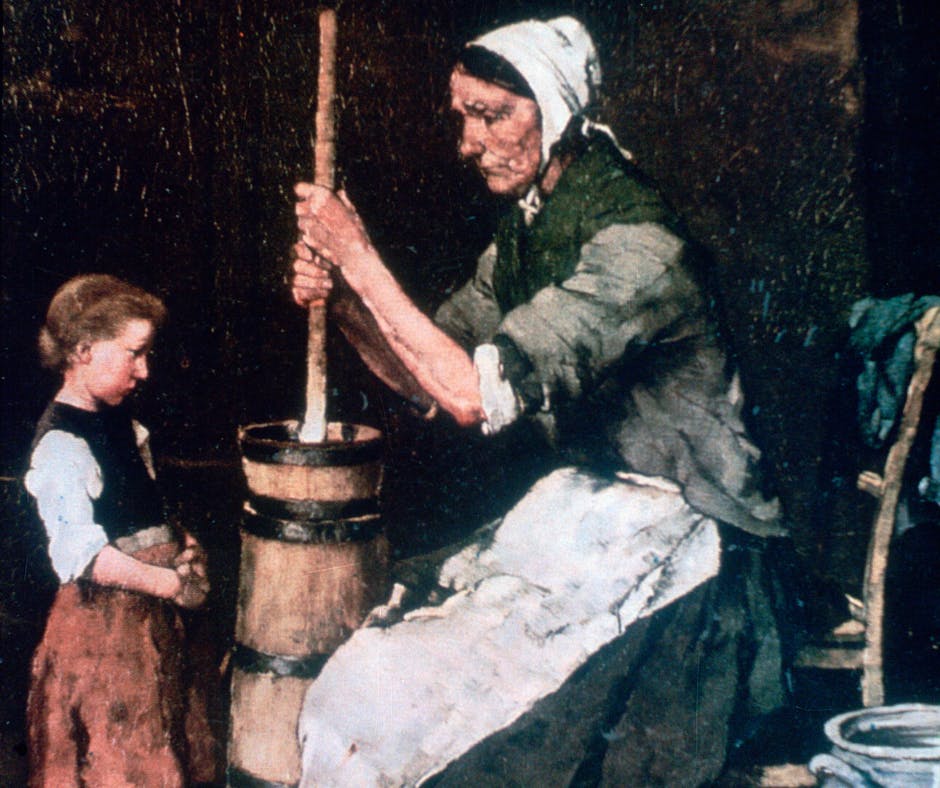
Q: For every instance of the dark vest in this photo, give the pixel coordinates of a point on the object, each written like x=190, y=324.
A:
x=599, y=188
x=130, y=500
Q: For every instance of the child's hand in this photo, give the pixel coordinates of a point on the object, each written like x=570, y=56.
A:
x=194, y=556
x=193, y=587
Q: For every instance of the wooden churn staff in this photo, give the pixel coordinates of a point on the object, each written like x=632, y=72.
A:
x=313, y=428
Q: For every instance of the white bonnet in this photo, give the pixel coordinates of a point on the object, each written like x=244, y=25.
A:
x=558, y=60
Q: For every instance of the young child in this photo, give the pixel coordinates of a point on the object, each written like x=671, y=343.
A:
x=109, y=701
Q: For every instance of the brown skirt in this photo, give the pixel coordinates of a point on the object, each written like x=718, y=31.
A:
x=113, y=700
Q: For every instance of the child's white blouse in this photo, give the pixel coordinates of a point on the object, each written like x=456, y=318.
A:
x=65, y=480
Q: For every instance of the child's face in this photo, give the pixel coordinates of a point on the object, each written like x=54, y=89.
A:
x=111, y=368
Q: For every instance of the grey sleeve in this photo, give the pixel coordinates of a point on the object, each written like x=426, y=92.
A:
x=471, y=315
x=629, y=289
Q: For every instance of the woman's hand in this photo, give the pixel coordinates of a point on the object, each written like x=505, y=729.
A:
x=334, y=235
x=331, y=228
x=311, y=282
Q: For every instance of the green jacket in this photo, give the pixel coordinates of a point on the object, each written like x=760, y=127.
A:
x=599, y=314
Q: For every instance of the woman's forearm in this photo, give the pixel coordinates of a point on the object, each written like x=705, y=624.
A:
x=333, y=231
x=439, y=365
x=363, y=333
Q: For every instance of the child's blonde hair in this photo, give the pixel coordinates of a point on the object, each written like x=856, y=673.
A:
x=91, y=307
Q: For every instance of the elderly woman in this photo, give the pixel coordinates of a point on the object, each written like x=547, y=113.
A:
x=586, y=314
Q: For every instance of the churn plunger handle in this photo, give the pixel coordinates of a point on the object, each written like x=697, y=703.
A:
x=313, y=429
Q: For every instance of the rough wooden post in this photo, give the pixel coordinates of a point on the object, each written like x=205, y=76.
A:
x=925, y=352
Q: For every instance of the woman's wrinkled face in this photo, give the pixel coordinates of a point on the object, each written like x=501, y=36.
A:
x=500, y=133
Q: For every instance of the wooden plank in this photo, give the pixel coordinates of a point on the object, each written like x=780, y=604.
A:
x=264, y=714
x=839, y=658
x=300, y=599
x=786, y=775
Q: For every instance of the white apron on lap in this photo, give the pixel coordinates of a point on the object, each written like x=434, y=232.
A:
x=574, y=563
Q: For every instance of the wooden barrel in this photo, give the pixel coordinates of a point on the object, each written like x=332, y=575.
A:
x=314, y=561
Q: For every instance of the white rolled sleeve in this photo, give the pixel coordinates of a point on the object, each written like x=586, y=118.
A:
x=501, y=406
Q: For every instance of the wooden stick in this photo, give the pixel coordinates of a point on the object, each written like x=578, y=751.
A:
x=313, y=429
x=925, y=352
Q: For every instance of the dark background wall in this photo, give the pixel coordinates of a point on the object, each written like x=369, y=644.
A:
x=159, y=141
